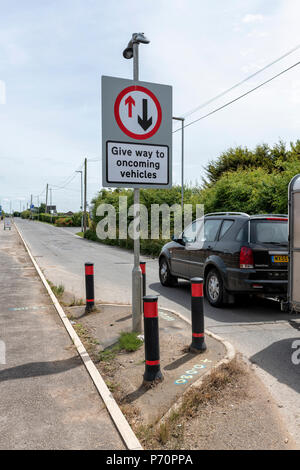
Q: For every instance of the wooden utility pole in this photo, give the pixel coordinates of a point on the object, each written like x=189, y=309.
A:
x=85, y=191
x=46, y=198
x=51, y=203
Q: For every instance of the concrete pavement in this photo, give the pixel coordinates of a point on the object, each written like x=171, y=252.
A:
x=258, y=328
x=47, y=399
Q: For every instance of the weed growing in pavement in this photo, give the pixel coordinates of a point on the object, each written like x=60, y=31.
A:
x=163, y=432
x=211, y=387
x=89, y=342
x=130, y=342
x=171, y=429
x=57, y=290
x=76, y=302
x=109, y=354
x=111, y=385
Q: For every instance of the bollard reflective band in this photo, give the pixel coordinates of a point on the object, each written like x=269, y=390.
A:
x=143, y=268
x=150, y=309
x=90, y=300
x=89, y=270
x=197, y=290
x=152, y=363
x=198, y=335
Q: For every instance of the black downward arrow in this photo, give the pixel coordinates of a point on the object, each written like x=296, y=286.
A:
x=145, y=122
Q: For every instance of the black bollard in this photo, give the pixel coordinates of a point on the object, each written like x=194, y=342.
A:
x=151, y=339
x=198, y=344
x=89, y=286
x=143, y=269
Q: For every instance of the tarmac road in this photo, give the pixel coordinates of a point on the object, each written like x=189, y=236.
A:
x=257, y=328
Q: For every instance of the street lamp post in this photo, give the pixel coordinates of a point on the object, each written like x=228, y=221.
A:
x=81, y=191
x=38, y=201
x=132, y=51
x=51, y=203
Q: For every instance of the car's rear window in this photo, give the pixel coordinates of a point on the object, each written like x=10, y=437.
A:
x=269, y=231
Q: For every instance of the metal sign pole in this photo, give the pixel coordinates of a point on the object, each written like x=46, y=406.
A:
x=136, y=272
x=136, y=122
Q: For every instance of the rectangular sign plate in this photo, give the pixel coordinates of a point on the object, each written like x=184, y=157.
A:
x=130, y=163
x=136, y=134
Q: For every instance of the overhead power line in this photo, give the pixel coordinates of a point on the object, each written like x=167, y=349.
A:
x=220, y=95
x=54, y=188
x=239, y=97
x=68, y=180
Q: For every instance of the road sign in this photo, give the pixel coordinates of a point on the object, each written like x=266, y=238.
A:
x=51, y=208
x=136, y=134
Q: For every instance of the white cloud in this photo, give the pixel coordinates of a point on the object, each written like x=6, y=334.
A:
x=249, y=18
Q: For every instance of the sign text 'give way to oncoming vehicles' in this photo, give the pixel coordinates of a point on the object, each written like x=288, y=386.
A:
x=136, y=134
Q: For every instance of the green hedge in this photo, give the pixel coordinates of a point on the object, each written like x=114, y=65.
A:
x=148, y=247
x=240, y=180
x=59, y=220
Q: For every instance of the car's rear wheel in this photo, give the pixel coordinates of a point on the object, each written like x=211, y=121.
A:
x=165, y=276
x=214, y=288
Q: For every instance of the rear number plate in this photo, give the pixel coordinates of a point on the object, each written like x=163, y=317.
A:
x=280, y=259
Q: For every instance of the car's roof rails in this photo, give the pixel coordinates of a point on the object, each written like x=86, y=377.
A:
x=259, y=216
x=228, y=213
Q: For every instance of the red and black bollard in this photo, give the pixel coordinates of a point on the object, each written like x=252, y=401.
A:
x=143, y=269
x=89, y=286
x=198, y=344
x=151, y=340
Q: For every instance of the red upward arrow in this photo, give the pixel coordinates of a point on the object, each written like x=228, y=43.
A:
x=130, y=101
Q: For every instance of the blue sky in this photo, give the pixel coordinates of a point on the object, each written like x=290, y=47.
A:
x=53, y=53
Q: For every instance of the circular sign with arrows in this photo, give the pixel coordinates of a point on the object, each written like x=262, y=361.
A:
x=138, y=112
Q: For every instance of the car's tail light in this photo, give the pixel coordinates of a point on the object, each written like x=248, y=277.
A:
x=246, y=258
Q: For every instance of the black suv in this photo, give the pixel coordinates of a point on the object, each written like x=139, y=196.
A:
x=239, y=254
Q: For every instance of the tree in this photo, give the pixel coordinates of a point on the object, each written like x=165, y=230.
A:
x=241, y=158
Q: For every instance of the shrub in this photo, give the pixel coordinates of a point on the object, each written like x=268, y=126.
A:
x=25, y=214
x=48, y=218
x=64, y=222
x=252, y=181
x=76, y=219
